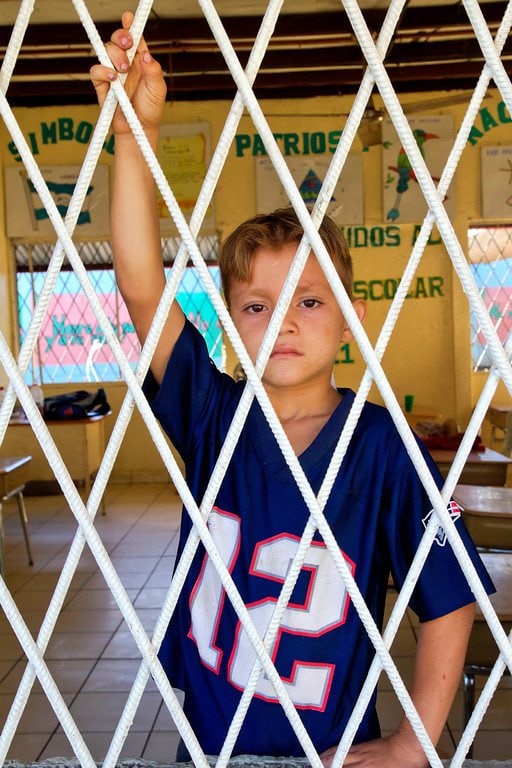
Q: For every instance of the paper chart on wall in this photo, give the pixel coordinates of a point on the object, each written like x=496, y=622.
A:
x=403, y=200
x=184, y=154
x=346, y=205
x=496, y=164
x=27, y=216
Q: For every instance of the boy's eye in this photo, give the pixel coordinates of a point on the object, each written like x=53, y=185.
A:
x=310, y=303
x=255, y=308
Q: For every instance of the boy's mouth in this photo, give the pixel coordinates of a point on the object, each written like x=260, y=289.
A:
x=285, y=350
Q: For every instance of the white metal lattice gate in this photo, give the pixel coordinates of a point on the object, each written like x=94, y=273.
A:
x=374, y=53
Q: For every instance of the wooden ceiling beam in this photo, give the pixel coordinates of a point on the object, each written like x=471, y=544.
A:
x=65, y=96
x=179, y=62
x=333, y=65
x=246, y=27
x=197, y=87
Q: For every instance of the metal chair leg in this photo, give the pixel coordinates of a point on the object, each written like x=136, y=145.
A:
x=20, y=500
x=18, y=493
x=2, y=551
x=469, y=701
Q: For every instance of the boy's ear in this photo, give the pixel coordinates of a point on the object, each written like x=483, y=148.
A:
x=361, y=308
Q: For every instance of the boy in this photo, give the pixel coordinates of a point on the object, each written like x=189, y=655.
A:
x=376, y=508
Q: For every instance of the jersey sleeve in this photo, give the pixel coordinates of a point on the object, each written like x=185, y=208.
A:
x=192, y=393
x=442, y=586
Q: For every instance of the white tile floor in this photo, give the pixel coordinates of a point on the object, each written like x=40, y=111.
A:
x=92, y=655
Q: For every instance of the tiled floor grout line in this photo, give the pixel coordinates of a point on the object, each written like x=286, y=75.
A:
x=71, y=594
x=91, y=666
x=81, y=687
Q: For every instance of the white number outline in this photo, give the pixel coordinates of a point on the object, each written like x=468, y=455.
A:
x=209, y=577
x=325, y=671
x=208, y=592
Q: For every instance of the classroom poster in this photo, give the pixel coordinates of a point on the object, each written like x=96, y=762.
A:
x=27, y=215
x=403, y=200
x=496, y=165
x=346, y=205
x=184, y=154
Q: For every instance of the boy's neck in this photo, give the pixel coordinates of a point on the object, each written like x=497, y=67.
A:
x=303, y=414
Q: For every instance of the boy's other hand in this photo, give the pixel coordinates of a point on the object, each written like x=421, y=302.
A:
x=387, y=752
x=145, y=84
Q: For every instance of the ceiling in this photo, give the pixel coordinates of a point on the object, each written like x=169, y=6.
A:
x=313, y=50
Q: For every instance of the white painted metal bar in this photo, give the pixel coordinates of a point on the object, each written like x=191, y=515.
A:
x=242, y=354
x=365, y=348
x=29, y=341
x=376, y=73
x=426, y=183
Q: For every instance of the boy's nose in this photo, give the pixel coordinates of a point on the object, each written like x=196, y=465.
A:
x=289, y=323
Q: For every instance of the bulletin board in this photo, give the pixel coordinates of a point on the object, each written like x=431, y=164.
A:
x=184, y=153
x=496, y=170
x=346, y=205
x=27, y=216
x=403, y=201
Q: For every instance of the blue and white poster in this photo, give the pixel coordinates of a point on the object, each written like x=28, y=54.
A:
x=309, y=171
x=27, y=216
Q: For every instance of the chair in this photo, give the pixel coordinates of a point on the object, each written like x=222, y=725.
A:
x=12, y=485
x=487, y=512
x=500, y=418
x=482, y=650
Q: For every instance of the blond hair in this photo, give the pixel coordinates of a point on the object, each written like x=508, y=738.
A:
x=273, y=231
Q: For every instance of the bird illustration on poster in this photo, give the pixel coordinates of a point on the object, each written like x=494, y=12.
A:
x=403, y=200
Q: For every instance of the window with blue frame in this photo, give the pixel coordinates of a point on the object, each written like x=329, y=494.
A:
x=71, y=345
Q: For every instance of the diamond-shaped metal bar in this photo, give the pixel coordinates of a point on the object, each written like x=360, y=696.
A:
x=203, y=187
x=493, y=61
x=15, y=43
x=42, y=433
x=314, y=504
x=426, y=183
x=94, y=541
x=38, y=664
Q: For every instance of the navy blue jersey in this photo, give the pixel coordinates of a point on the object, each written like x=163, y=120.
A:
x=377, y=511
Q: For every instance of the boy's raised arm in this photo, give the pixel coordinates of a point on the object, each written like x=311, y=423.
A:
x=135, y=227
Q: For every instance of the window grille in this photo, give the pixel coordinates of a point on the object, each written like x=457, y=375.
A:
x=490, y=257
x=374, y=53
x=71, y=346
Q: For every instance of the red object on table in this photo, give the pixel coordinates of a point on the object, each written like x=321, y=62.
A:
x=449, y=442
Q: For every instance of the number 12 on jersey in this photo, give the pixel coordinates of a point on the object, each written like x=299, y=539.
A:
x=323, y=609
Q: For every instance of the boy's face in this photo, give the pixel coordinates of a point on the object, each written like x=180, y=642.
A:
x=312, y=330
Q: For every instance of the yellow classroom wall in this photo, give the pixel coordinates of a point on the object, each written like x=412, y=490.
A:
x=429, y=354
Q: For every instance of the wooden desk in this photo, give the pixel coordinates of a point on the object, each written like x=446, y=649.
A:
x=81, y=443
x=500, y=417
x=486, y=467
x=424, y=423
x=499, y=565
x=13, y=475
x=487, y=512
x=415, y=417
x=482, y=650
